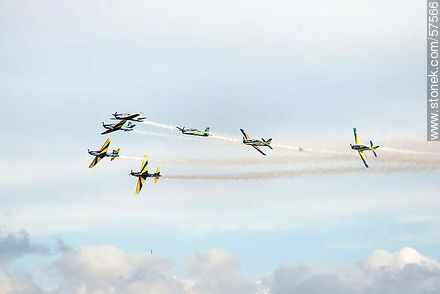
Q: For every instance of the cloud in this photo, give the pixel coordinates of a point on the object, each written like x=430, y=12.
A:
x=107, y=269
x=18, y=283
x=396, y=261
x=405, y=271
x=215, y=271
x=14, y=245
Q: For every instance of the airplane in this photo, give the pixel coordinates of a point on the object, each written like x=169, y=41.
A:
x=195, y=132
x=119, y=126
x=255, y=142
x=100, y=154
x=361, y=148
x=127, y=116
x=143, y=174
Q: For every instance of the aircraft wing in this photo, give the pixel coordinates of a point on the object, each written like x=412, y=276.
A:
x=128, y=116
x=144, y=167
x=140, y=184
x=95, y=161
x=259, y=150
x=119, y=125
x=356, y=137
x=104, y=147
x=108, y=131
x=244, y=134
x=364, y=158
x=116, y=127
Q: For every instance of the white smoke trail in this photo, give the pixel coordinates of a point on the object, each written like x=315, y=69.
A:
x=287, y=147
x=131, y=158
x=284, y=160
x=159, y=125
x=234, y=139
x=303, y=172
x=410, y=152
x=305, y=149
x=160, y=134
x=225, y=138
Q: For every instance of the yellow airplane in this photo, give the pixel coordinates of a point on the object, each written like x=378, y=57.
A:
x=361, y=148
x=100, y=154
x=143, y=174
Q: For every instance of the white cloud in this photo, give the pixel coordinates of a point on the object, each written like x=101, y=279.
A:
x=107, y=269
x=17, y=283
x=396, y=261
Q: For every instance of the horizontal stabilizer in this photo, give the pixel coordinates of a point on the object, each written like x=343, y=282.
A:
x=116, y=152
x=156, y=178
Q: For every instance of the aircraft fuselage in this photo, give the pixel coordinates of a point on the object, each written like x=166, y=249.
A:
x=360, y=148
x=255, y=142
x=193, y=132
x=127, y=116
x=124, y=128
x=145, y=175
x=112, y=154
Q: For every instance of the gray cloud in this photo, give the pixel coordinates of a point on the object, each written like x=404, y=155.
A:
x=301, y=279
x=215, y=271
x=405, y=271
x=14, y=245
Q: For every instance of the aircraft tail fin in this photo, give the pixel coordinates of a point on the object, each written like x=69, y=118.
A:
x=115, y=152
x=181, y=129
x=156, y=178
x=373, y=148
x=268, y=143
x=207, y=129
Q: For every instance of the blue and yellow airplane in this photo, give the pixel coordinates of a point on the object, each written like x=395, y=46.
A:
x=361, y=148
x=116, y=127
x=255, y=142
x=143, y=174
x=100, y=154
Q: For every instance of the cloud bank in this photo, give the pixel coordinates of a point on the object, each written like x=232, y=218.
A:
x=108, y=269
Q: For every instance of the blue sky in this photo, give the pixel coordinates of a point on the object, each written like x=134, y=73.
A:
x=302, y=72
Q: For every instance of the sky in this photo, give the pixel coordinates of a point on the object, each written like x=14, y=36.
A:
x=301, y=72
